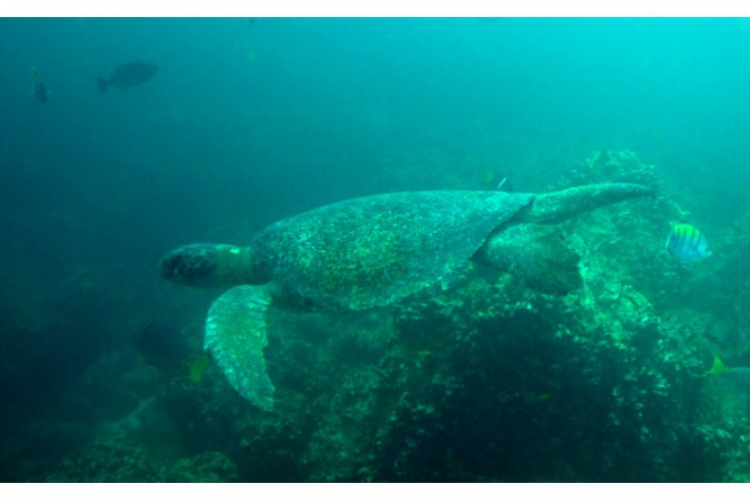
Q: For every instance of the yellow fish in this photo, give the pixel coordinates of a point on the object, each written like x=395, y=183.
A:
x=718, y=367
x=198, y=366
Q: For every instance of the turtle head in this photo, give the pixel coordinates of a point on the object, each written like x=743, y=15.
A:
x=209, y=265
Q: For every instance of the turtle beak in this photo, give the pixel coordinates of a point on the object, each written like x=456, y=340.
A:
x=170, y=266
x=167, y=266
x=193, y=265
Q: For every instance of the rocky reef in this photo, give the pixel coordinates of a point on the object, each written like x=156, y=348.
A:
x=481, y=378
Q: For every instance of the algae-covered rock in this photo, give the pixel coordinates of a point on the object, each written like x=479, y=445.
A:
x=112, y=461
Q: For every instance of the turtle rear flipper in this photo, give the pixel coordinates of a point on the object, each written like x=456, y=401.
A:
x=236, y=336
x=538, y=255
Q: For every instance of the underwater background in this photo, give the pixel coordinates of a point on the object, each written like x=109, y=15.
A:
x=251, y=120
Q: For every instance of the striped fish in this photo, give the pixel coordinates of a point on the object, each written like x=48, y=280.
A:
x=39, y=88
x=687, y=243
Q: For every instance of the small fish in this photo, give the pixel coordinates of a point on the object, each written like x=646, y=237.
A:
x=687, y=243
x=738, y=377
x=496, y=182
x=128, y=75
x=161, y=345
x=539, y=398
x=718, y=367
x=39, y=88
x=198, y=366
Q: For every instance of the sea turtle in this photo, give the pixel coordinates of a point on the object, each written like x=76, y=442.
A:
x=369, y=252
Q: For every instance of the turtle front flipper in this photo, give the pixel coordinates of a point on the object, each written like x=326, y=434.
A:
x=236, y=336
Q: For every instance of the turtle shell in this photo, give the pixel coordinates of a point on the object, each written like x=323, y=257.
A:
x=371, y=251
